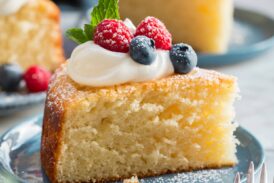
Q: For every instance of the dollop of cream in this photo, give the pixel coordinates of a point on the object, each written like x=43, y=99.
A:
x=8, y=7
x=130, y=25
x=92, y=65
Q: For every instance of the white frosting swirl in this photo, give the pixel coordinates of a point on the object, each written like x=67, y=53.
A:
x=92, y=65
x=8, y=7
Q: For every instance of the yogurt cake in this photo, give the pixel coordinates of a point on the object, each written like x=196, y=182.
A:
x=206, y=25
x=129, y=103
x=30, y=34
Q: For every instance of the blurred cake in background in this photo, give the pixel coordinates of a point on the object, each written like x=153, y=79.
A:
x=204, y=24
x=30, y=33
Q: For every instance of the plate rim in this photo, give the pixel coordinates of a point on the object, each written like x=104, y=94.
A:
x=39, y=118
x=256, y=48
x=260, y=146
x=20, y=102
x=39, y=95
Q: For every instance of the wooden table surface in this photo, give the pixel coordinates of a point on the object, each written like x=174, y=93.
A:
x=255, y=110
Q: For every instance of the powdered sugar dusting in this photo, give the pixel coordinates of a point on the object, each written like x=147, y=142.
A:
x=59, y=91
x=113, y=35
x=203, y=176
x=204, y=76
x=156, y=30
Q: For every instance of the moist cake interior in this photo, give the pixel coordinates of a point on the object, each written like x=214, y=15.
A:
x=179, y=123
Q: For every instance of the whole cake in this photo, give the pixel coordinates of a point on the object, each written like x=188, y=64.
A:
x=206, y=25
x=30, y=34
x=129, y=103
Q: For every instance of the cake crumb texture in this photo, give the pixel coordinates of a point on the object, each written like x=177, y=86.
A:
x=179, y=123
x=133, y=179
x=32, y=36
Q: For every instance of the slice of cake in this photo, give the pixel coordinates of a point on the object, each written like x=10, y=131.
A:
x=30, y=33
x=205, y=25
x=179, y=123
x=129, y=103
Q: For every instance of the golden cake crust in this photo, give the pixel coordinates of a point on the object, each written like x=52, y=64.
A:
x=63, y=91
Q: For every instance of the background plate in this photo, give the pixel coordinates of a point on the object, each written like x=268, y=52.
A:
x=13, y=102
x=20, y=158
x=253, y=33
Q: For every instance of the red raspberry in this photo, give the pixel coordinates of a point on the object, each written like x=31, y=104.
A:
x=156, y=30
x=113, y=35
x=37, y=79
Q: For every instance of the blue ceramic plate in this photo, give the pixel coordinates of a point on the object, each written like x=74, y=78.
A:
x=20, y=158
x=13, y=102
x=253, y=33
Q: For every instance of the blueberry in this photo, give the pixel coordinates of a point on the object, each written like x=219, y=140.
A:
x=142, y=50
x=10, y=77
x=183, y=58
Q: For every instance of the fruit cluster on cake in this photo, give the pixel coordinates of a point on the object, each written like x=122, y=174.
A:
x=129, y=103
x=30, y=44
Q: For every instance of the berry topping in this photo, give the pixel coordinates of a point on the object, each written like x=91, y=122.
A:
x=142, y=50
x=113, y=35
x=156, y=30
x=10, y=77
x=37, y=79
x=183, y=58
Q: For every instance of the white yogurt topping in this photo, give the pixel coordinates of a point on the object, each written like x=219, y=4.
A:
x=92, y=65
x=130, y=26
x=8, y=7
